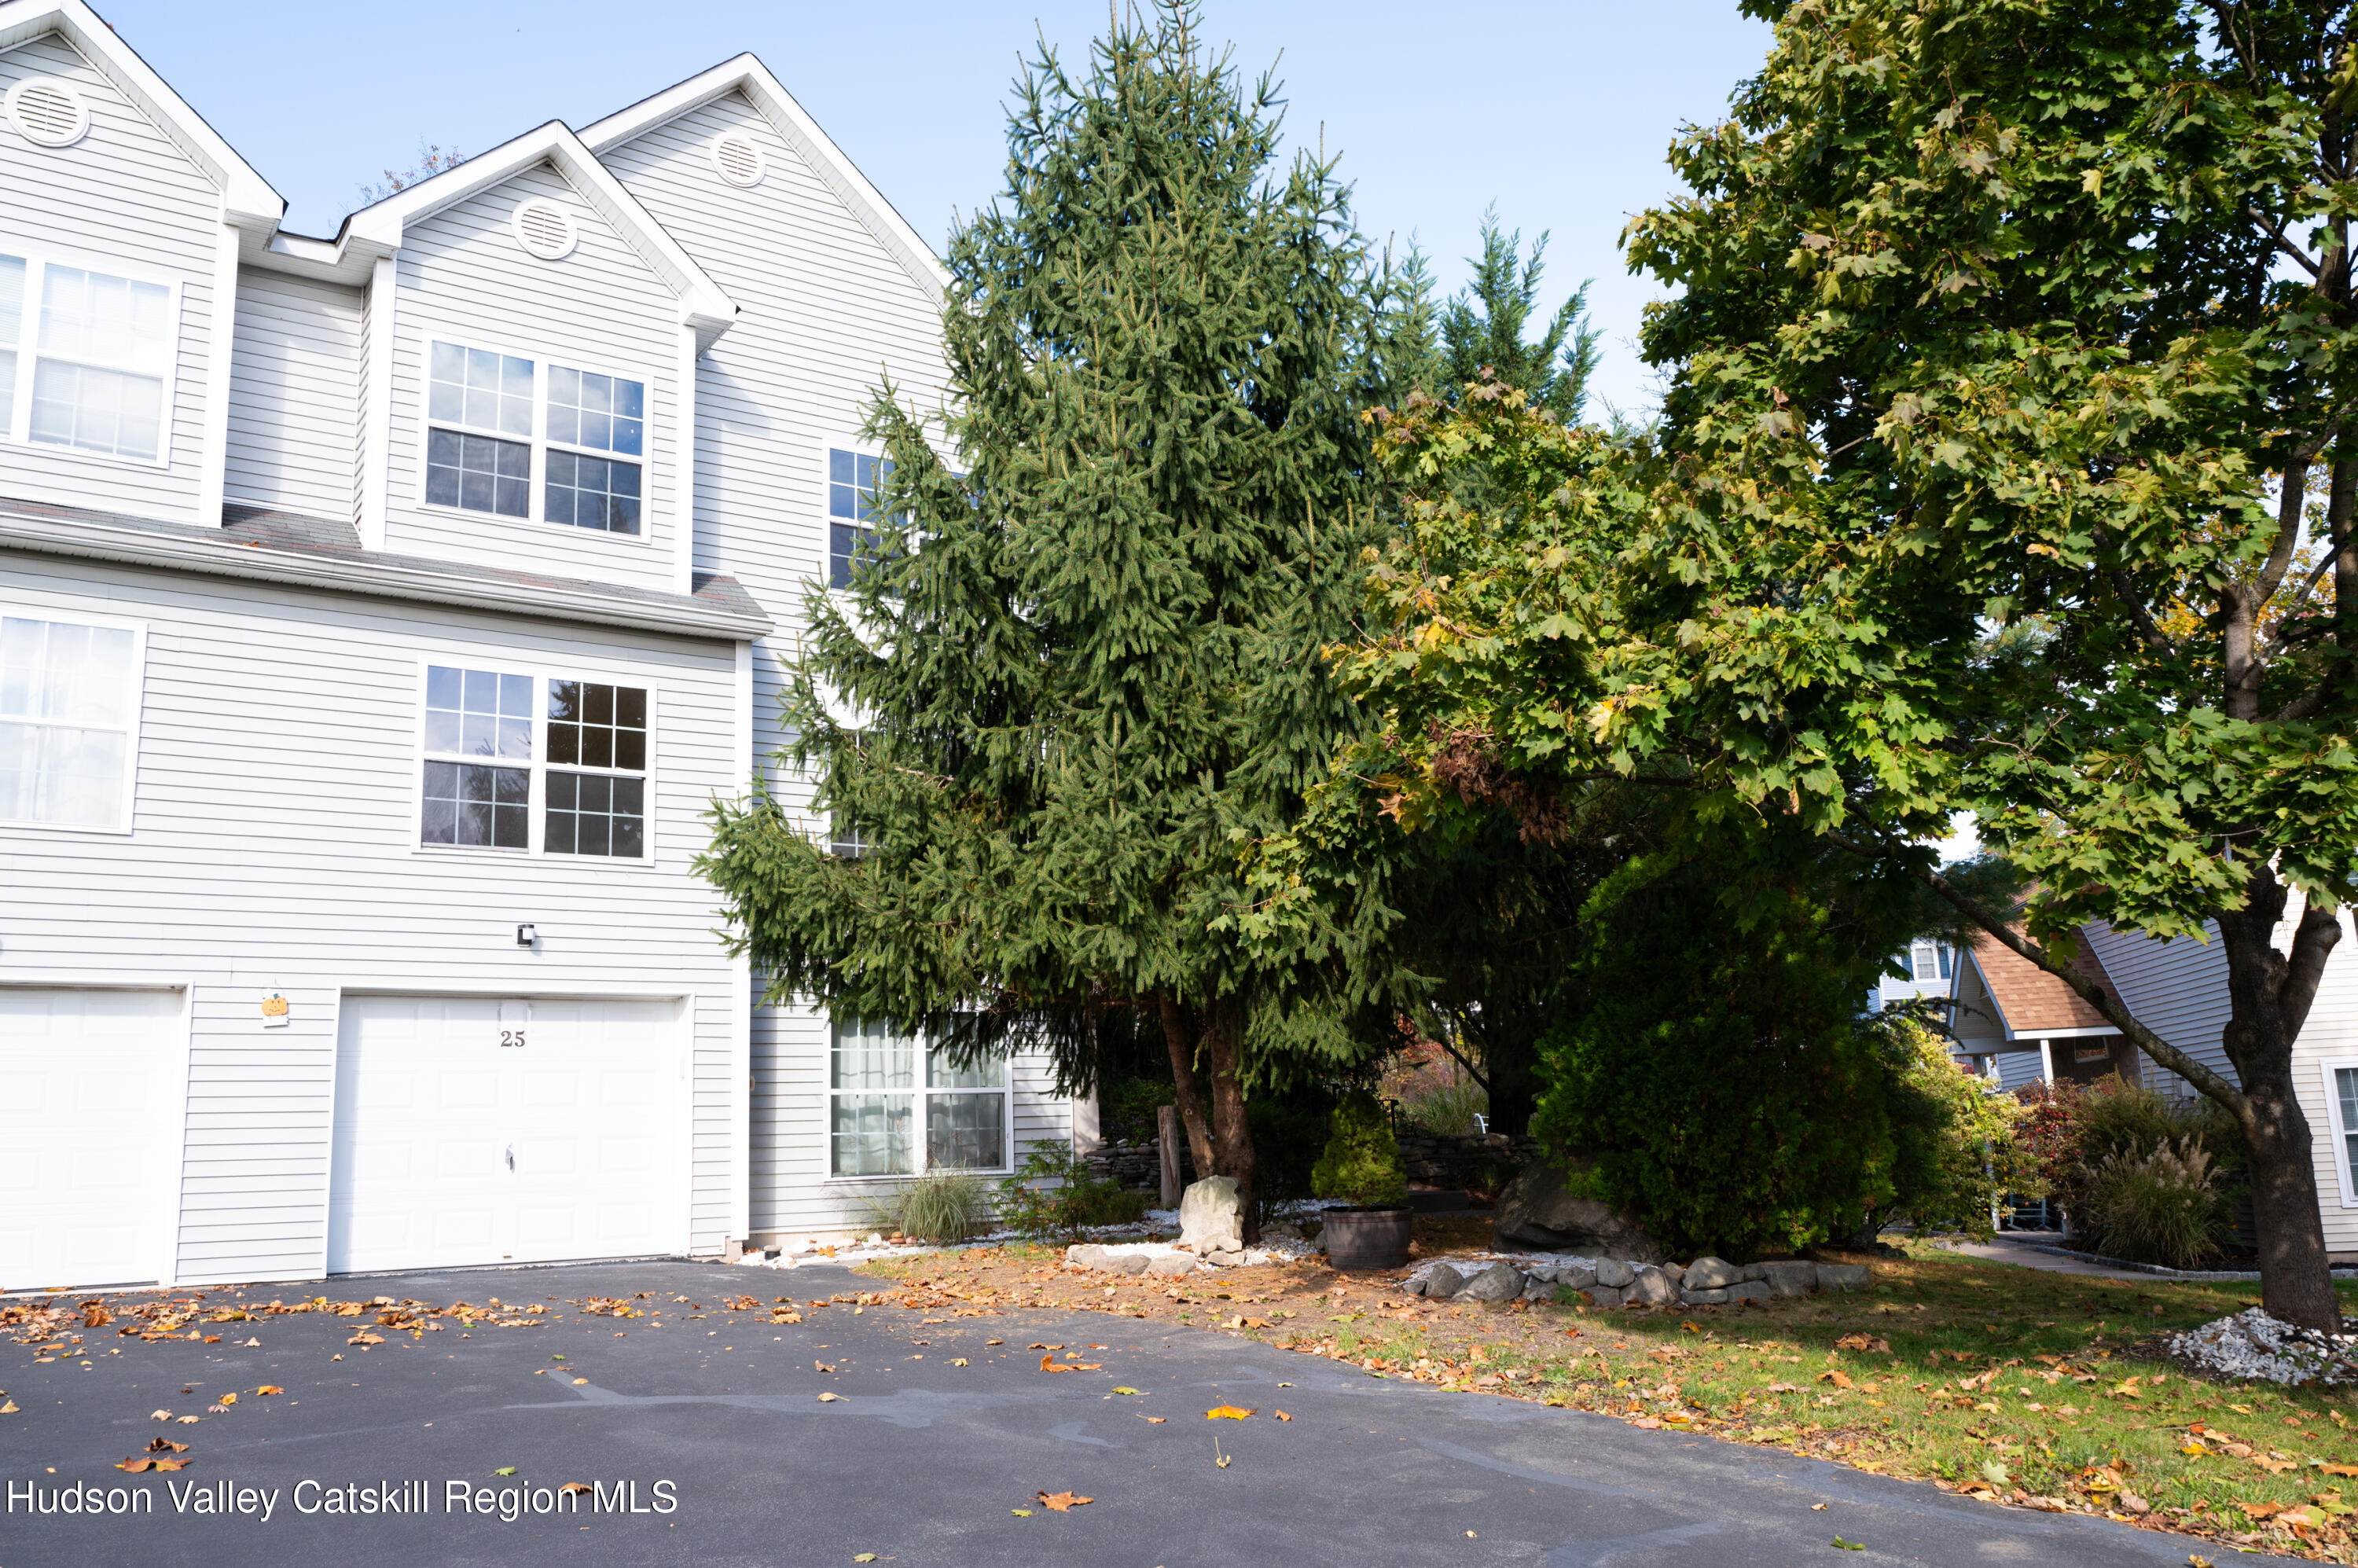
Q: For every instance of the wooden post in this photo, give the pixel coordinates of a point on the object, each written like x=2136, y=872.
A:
x=1166, y=1137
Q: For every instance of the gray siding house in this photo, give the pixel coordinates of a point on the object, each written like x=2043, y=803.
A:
x=379, y=615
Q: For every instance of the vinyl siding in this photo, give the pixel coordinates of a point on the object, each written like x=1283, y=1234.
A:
x=826, y=314
x=294, y=393
x=602, y=309
x=274, y=844
x=2179, y=990
x=125, y=199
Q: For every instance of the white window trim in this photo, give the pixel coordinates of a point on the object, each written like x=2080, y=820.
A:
x=18, y=431
x=536, y=503
x=539, y=765
x=826, y=517
x=2326, y=1069
x=917, y=1137
x=123, y=825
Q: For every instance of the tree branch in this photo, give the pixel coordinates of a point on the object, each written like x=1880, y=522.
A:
x=2312, y=942
x=2088, y=990
x=2139, y=616
x=2274, y=232
x=1462, y=1062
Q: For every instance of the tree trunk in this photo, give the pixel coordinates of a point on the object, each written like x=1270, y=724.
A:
x=1232, y=1146
x=2268, y=1002
x=1179, y=1036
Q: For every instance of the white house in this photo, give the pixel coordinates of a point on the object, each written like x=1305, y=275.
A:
x=378, y=616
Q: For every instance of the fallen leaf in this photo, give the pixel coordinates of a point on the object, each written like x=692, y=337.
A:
x=166, y=1446
x=188, y=1419
x=828, y=1399
x=1861, y=1342
x=1225, y=1413
x=160, y=1415
x=1020, y=1513
x=1063, y=1502
x=1151, y=1420
x=580, y=1380
x=135, y=1466
x=229, y=1399
x=1839, y=1380
x=1126, y=1389
x=1281, y=1415
x=1647, y=1424
x=270, y=1389
x=364, y=1337
x=1817, y=1507
x=253, y=1345
x=510, y=1470
x=1223, y=1461
x=573, y=1486
x=865, y=1557
x=2339, y=1469
x=1850, y=1545
x=960, y=1362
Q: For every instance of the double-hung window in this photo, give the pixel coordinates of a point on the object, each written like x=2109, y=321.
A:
x=851, y=480
x=545, y=764
x=1929, y=960
x=495, y=419
x=85, y=359
x=69, y=722
x=883, y=1087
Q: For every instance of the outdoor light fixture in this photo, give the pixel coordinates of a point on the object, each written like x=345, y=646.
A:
x=526, y=934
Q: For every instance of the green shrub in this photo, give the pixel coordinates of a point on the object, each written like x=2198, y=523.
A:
x=1958, y=1148
x=2163, y=1207
x=941, y=1207
x=1362, y=1162
x=1448, y=1109
x=2078, y=1129
x=1717, y=1079
x=1074, y=1199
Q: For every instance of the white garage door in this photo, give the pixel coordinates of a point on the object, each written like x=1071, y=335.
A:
x=475, y=1130
x=87, y=1192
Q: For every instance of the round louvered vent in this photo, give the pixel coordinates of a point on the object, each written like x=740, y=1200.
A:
x=47, y=112
x=739, y=158
x=544, y=229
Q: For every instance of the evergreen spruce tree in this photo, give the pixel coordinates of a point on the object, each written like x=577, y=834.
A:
x=1081, y=662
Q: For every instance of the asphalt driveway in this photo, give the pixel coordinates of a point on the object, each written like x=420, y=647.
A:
x=705, y=1442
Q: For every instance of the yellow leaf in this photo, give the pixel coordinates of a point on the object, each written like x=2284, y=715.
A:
x=229, y=1399
x=270, y=1389
x=1225, y=1413
x=960, y=1362
x=1126, y=1389
x=1155, y=1420
x=580, y=1380
x=1281, y=1415
x=828, y=1399
x=1063, y=1502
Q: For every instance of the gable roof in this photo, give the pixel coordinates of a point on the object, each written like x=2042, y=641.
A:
x=377, y=230
x=748, y=75
x=2032, y=1003
x=248, y=202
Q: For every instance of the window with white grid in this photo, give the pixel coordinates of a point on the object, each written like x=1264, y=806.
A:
x=69, y=721
x=544, y=763
x=896, y=1108
x=504, y=428
x=85, y=358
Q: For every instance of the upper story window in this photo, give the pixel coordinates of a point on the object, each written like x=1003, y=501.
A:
x=851, y=478
x=1929, y=960
x=499, y=742
x=492, y=417
x=85, y=359
x=69, y=722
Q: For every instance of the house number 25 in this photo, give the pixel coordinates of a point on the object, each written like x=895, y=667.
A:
x=511, y=1037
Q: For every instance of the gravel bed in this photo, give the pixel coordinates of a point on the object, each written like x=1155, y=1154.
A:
x=2252, y=1345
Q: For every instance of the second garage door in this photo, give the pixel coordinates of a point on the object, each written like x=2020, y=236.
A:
x=478, y=1130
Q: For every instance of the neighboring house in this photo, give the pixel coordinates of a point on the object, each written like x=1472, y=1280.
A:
x=379, y=615
x=1931, y=967
x=2034, y=1028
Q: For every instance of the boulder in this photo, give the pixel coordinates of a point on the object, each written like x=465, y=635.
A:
x=1796, y=1277
x=1441, y=1281
x=1677, y=1272
x=1172, y=1263
x=1086, y=1255
x=1614, y=1274
x=1579, y=1276
x=1603, y=1295
x=1498, y=1282
x=1748, y=1290
x=1711, y=1275
x=1754, y=1271
x=1538, y=1210
x=1842, y=1276
x=1536, y=1288
x=1651, y=1288
x=1703, y=1298
x=1212, y=1216
x=1128, y=1263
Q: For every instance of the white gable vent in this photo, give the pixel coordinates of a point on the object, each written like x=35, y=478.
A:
x=739, y=158
x=544, y=229
x=47, y=112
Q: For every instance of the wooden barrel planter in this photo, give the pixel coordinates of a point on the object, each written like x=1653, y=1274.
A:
x=1367, y=1238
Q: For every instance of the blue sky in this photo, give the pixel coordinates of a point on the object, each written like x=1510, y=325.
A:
x=1559, y=114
